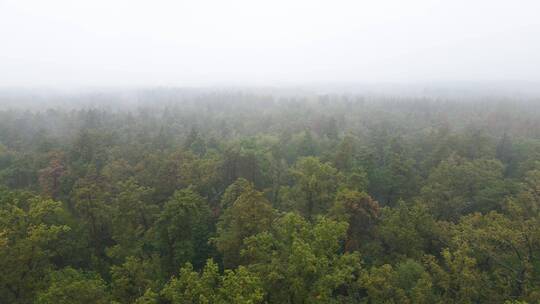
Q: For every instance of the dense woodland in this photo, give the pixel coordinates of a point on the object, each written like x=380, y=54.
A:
x=231, y=197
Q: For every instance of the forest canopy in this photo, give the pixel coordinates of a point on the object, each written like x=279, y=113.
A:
x=245, y=197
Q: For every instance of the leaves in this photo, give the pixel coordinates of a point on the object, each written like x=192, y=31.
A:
x=251, y=213
x=209, y=287
x=70, y=286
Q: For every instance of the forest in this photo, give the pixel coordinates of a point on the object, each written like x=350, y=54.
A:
x=210, y=197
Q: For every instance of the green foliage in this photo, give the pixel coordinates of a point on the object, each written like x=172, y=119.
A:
x=31, y=230
x=149, y=297
x=90, y=197
x=458, y=187
x=361, y=212
x=408, y=282
x=393, y=175
x=234, y=191
x=457, y=278
x=210, y=287
x=70, y=286
x=183, y=228
x=135, y=279
x=407, y=231
x=506, y=249
x=134, y=214
x=299, y=261
x=251, y=213
x=298, y=199
x=315, y=186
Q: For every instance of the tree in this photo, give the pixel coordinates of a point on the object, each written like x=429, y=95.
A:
x=331, y=129
x=234, y=191
x=458, y=187
x=31, y=230
x=166, y=173
x=314, y=187
x=69, y=286
x=239, y=162
x=90, y=195
x=507, y=251
x=300, y=262
x=251, y=213
x=307, y=145
x=407, y=231
x=504, y=152
x=195, y=143
x=457, y=278
x=344, y=157
x=50, y=176
x=209, y=287
x=135, y=279
x=149, y=297
x=183, y=228
x=394, y=176
x=20, y=173
x=526, y=203
x=361, y=212
x=407, y=282
x=133, y=215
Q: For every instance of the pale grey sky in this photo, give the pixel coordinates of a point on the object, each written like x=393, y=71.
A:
x=206, y=42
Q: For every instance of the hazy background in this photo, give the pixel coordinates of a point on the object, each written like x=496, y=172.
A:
x=62, y=43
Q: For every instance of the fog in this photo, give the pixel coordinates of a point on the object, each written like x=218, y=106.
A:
x=62, y=43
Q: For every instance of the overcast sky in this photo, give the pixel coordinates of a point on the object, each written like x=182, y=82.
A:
x=249, y=42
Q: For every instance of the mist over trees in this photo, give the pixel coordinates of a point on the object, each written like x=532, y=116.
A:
x=267, y=196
